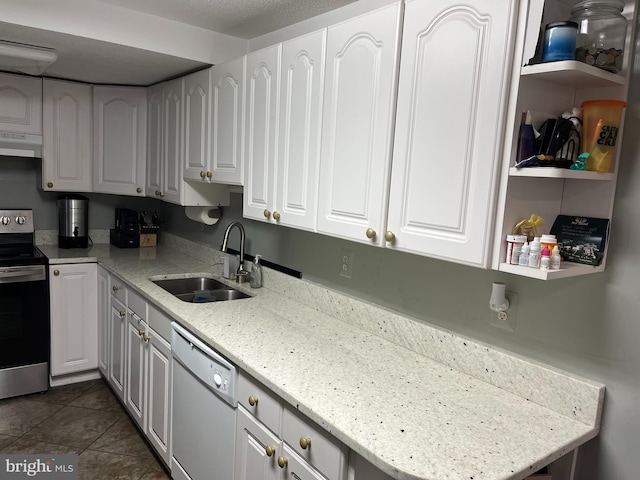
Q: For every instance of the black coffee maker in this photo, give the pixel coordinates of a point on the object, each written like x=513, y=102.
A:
x=127, y=231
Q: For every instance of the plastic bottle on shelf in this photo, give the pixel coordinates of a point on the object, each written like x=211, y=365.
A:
x=554, y=261
x=545, y=258
x=524, y=255
x=534, y=253
x=256, y=273
x=517, y=249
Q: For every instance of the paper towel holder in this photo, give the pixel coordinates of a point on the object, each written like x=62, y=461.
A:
x=208, y=215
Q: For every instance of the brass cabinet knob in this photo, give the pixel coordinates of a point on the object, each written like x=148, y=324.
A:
x=159, y=193
x=122, y=313
x=282, y=462
x=209, y=175
x=305, y=442
x=269, y=450
x=370, y=233
x=266, y=213
x=49, y=185
x=276, y=216
x=114, y=288
x=253, y=401
x=389, y=236
x=138, y=190
x=141, y=332
x=145, y=337
x=56, y=272
x=203, y=174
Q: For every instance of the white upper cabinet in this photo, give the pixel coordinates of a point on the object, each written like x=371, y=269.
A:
x=227, y=122
x=119, y=147
x=299, y=120
x=20, y=104
x=357, y=124
x=154, y=141
x=261, y=119
x=67, y=144
x=196, y=125
x=453, y=91
x=172, y=151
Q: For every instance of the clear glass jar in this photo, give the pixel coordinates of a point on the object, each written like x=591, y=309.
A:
x=602, y=31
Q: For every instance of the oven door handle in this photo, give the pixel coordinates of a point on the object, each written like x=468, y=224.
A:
x=22, y=274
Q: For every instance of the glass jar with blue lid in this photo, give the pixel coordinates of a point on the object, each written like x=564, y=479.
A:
x=602, y=32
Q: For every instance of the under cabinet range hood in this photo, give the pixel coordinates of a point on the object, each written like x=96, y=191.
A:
x=20, y=145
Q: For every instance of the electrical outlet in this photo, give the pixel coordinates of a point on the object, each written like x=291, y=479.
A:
x=506, y=320
x=346, y=263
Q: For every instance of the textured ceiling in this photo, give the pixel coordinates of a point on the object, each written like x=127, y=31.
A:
x=239, y=18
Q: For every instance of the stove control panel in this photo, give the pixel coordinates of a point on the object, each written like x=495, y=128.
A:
x=16, y=221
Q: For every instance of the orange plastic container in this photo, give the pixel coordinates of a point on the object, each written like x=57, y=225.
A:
x=600, y=126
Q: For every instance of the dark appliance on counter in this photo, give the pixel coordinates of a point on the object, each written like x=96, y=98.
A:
x=24, y=316
x=127, y=231
x=73, y=221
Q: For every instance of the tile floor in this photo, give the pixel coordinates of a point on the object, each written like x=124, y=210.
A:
x=84, y=419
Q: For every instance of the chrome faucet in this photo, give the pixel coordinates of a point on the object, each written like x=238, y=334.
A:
x=225, y=240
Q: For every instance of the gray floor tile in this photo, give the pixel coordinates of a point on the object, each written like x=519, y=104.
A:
x=19, y=415
x=156, y=472
x=98, y=397
x=75, y=426
x=63, y=394
x=6, y=440
x=93, y=465
x=123, y=438
x=31, y=446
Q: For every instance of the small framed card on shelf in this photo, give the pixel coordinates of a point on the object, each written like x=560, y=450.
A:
x=581, y=239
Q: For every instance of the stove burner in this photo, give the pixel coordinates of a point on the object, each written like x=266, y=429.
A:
x=17, y=239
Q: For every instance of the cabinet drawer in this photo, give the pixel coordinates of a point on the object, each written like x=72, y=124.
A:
x=327, y=454
x=137, y=304
x=119, y=289
x=267, y=408
x=159, y=322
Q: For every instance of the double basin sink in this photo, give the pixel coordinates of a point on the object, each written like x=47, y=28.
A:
x=199, y=289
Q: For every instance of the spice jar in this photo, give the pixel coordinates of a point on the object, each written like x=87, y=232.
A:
x=602, y=32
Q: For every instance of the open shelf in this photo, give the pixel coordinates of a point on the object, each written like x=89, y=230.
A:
x=574, y=74
x=567, y=269
x=551, y=172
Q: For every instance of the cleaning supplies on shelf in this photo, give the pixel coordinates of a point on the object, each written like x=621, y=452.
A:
x=256, y=273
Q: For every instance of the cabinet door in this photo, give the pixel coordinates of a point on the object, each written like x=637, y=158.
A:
x=20, y=104
x=451, y=109
x=227, y=121
x=67, y=144
x=118, y=335
x=104, y=312
x=300, y=115
x=357, y=125
x=172, y=151
x=253, y=461
x=136, y=368
x=155, y=104
x=119, y=149
x=74, y=330
x=295, y=468
x=263, y=69
x=159, y=396
x=197, y=131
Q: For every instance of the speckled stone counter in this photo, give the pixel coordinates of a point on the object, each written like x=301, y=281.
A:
x=416, y=401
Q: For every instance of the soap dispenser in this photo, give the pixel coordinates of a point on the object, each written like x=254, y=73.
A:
x=256, y=273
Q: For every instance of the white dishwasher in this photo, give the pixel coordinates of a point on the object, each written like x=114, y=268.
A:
x=204, y=410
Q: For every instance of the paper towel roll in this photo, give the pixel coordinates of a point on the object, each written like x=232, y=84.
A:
x=206, y=215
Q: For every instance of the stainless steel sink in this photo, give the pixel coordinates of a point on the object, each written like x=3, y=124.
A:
x=199, y=289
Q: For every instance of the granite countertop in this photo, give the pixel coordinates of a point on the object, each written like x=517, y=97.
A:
x=416, y=401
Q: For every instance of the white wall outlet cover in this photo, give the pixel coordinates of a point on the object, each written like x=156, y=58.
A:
x=346, y=263
x=506, y=320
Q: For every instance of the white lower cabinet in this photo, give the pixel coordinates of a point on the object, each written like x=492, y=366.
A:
x=274, y=442
x=134, y=355
x=104, y=311
x=117, y=337
x=74, y=337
